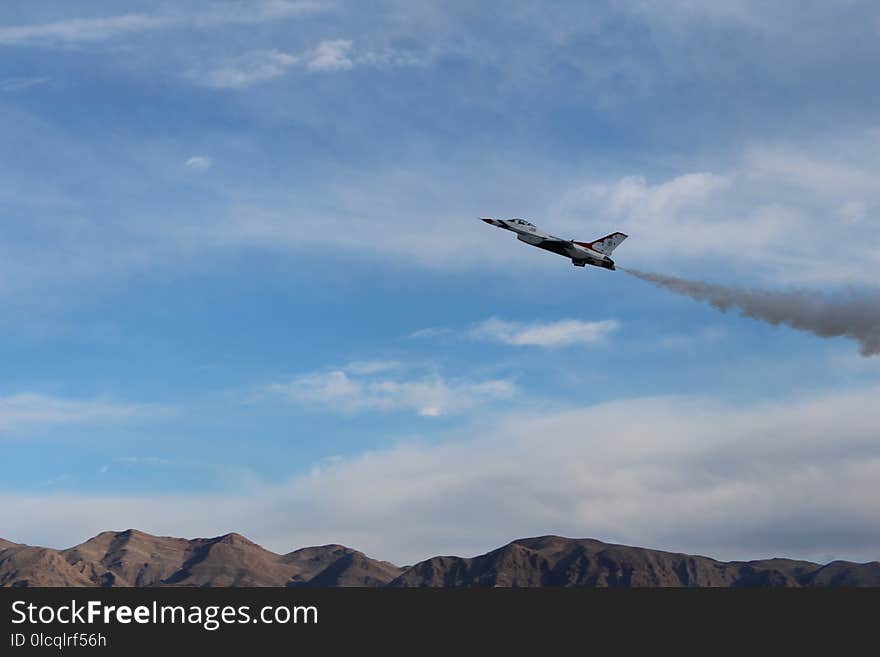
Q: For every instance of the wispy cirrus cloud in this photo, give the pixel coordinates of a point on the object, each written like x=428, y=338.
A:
x=258, y=66
x=81, y=30
x=28, y=409
x=76, y=30
x=198, y=162
x=372, y=366
x=141, y=460
x=248, y=69
x=11, y=85
x=551, y=334
x=560, y=333
x=364, y=387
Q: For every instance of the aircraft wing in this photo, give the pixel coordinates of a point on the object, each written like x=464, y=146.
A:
x=553, y=244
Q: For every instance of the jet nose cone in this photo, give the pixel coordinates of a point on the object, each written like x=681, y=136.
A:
x=488, y=221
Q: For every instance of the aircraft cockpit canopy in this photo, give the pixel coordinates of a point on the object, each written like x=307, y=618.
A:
x=523, y=222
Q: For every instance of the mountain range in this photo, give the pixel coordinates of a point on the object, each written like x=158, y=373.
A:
x=135, y=559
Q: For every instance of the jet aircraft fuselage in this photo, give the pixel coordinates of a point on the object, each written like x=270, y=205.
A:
x=596, y=253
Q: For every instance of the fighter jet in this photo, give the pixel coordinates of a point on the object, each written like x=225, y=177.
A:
x=596, y=253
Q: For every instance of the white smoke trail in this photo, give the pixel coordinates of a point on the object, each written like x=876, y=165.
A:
x=854, y=315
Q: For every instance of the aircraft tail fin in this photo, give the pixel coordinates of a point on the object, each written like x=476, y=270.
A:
x=605, y=245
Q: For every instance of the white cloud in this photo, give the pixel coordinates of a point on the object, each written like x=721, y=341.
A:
x=28, y=409
x=744, y=218
x=250, y=12
x=431, y=332
x=734, y=13
x=198, y=162
x=78, y=30
x=330, y=56
x=805, y=171
x=263, y=65
x=723, y=225
x=780, y=212
x=372, y=366
x=81, y=29
x=360, y=388
x=686, y=474
x=11, y=85
x=249, y=69
x=141, y=460
x=561, y=333
x=852, y=212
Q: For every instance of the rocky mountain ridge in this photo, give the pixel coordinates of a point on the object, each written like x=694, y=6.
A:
x=135, y=559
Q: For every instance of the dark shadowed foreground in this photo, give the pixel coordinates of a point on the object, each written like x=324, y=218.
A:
x=854, y=315
x=132, y=558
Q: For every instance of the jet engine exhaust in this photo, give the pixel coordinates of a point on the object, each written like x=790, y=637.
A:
x=853, y=314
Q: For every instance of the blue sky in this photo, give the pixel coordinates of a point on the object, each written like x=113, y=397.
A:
x=244, y=289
